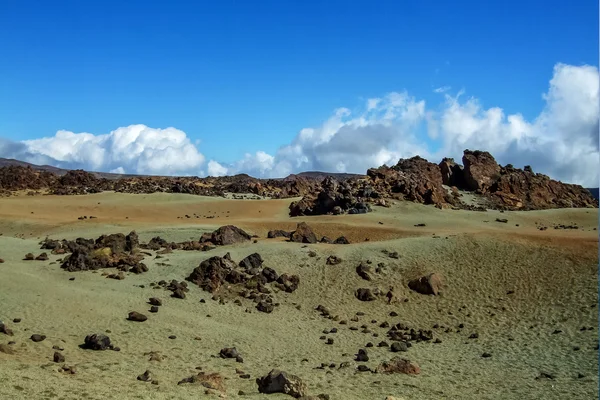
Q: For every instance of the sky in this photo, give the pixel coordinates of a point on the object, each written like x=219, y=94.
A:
x=271, y=88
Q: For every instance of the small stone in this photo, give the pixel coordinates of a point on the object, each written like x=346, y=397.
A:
x=486, y=355
x=37, y=338
x=154, y=309
x=155, y=301
x=172, y=337
x=58, y=357
x=136, y=316
x=398, y=346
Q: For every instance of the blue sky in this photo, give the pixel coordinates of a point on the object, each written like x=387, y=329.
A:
x=245, y=76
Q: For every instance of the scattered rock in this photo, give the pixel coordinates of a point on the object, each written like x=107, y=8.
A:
x=136, y=316
x=281, y=382
x=145, y=377
x=37, y=338
x=155, y=301
x=361, y=356
x=364, y=271
x=58, y=357
x=229, y=352
x=398, y=346
x=333, y=260
x=98, y=341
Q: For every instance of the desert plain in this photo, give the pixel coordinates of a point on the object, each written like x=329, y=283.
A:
x=524, y=297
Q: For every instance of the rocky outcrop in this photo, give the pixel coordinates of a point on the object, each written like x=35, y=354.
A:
x=414, y=179
x=108, y=251
x=481, y=170
x=452, y=173
x=526, y=190
x=222, y=276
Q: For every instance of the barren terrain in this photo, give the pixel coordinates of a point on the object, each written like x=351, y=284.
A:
x=529, y=295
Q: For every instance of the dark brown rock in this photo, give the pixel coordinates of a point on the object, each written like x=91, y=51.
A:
x=211, y=273
x=136, y=317
x=278, y=233
x=37, y=338
x=364, y=294
x=303, y=234
x=252, y=261
x=364, y=271
x=155, y=301
x=281, y=382
x=227, y=235
x=58, y=357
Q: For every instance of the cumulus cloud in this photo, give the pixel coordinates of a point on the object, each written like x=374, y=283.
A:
x=562, y=141
x=133, y=149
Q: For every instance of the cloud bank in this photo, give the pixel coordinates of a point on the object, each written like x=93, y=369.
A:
x=562, y=141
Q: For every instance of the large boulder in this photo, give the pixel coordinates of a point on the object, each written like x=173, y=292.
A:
x=229, y=234
x=212, y=273
x=278, y=381
x=430, y=284
x=481, y=170
x=303, y=234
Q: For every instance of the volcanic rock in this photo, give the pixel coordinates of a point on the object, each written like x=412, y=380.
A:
x=303, y=234
x=281, y=382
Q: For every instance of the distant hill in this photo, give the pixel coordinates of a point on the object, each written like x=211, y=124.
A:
x=594, y=192
x=5, y=162
x=318, y=175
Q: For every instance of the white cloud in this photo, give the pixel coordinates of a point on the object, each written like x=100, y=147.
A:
x=562, y=141
x=119, y=170
x=132, y=149
x=216, y=169
x=442, y=89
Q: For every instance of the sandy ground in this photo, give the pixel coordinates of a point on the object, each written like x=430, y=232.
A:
x=553, y=274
